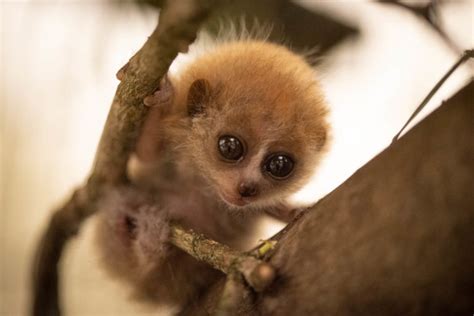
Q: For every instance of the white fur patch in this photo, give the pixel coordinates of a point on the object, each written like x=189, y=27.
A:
x=227, y=32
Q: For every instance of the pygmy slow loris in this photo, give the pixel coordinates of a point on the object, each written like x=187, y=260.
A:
x=235, y=132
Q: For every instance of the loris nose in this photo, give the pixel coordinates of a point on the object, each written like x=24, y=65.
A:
x=247, y=189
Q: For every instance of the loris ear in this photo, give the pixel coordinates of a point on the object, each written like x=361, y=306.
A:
x=198, y=96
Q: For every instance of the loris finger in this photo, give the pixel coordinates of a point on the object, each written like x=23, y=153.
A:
x=161, y=97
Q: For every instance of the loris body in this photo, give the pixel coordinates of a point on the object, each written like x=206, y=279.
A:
x=233, y=134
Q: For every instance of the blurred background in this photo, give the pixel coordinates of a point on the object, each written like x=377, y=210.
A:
x=58, y=60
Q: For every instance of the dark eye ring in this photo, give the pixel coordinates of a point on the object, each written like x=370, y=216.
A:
x=230, y=148
x=279, y=166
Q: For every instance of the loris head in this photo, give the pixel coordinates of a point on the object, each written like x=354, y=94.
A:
x=258, y=122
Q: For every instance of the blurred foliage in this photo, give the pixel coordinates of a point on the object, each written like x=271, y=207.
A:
x=429, y=12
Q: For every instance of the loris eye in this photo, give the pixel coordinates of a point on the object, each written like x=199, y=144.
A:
x=279, y=166
x=230, y=147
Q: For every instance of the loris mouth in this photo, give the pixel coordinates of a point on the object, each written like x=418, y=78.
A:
x=233, y=201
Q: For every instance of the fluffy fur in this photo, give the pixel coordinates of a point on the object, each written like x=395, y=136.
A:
x=260, y=92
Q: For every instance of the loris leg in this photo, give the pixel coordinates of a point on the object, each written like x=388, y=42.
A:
x=132, y=236
x=132, y=231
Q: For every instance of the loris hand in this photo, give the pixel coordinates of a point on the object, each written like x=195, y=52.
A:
x=151, y=141
x=163, y=96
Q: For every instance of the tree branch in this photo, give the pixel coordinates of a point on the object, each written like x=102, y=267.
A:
x=257, y=273
x=465, y=56
x=179, y=22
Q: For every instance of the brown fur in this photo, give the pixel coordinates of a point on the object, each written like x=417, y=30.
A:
x=260, y=92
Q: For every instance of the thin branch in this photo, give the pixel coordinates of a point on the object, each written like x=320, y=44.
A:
x=465, y=56
x=63, y=224
x=257, y=273
x=178, y=26
x=179, y=22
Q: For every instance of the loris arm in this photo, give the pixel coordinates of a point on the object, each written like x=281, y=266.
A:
x=151, y=143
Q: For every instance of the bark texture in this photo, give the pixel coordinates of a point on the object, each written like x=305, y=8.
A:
x=179, y=22
x=255, y=272
x=395, y=239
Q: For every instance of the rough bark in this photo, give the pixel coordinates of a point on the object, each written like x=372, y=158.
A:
x=395, y=239
x=256, y=273
x=178, y=25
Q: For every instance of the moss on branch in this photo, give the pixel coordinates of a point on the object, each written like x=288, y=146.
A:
x=257, y=273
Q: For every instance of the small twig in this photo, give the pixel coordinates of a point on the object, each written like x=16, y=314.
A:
x=465, y=56
x=257, y=273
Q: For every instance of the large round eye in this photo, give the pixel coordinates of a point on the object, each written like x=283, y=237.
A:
x=230, y=147
x=279, y=166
